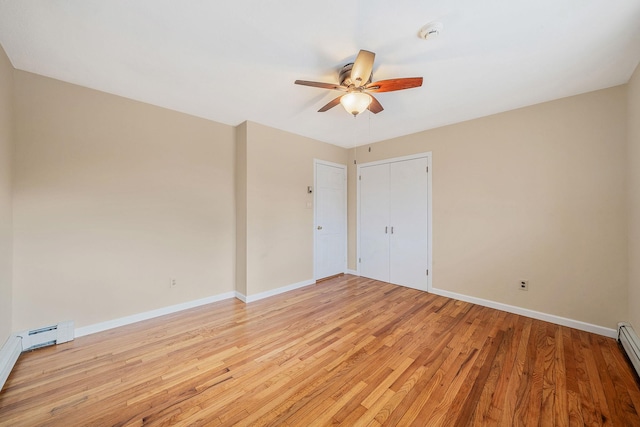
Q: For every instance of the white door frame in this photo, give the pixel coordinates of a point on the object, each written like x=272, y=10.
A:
x=428, y=155
x=317, y=162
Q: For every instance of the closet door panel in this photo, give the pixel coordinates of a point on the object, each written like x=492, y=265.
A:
x=408, y=219
x=374, y=222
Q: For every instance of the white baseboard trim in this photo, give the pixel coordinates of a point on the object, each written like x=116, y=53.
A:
x=110, y=324
x=558, y=320
x=9, y=354
x=354, y=272
x=266, y=294
x=242, y=297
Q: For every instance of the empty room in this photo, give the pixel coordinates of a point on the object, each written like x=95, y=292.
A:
x=418, y=213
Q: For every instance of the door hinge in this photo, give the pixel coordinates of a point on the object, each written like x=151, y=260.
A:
x=359, y=259
x=359, y=177
x=427, y=272
x=427, y=169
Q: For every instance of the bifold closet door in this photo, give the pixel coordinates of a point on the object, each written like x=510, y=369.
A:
x=374, y=222
x=393, y=222
x=408, y=221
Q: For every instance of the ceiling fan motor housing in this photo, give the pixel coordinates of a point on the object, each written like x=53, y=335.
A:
x=345, y=76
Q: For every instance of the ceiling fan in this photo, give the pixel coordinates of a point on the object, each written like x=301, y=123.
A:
x=355, y=80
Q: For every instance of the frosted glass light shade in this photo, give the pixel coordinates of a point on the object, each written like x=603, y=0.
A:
x=355, y=102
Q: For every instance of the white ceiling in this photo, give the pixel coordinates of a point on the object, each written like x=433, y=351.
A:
x=232, y=61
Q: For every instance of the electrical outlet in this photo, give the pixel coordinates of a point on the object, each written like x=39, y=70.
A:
x=523, y=285
x=172, y=283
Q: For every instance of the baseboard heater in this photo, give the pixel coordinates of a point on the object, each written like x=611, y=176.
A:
x=31, y=340
x=630, y=343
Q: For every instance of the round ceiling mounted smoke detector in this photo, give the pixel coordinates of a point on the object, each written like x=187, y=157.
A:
x=431, y=30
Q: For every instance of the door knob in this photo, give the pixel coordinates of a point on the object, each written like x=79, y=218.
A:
x=319, y=227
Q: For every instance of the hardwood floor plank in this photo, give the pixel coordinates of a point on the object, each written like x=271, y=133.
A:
x=630, y=380
x=455, y=387
x=383, y=386
x=389, y=415
x=349, y=351
x=548, y=348
x=617, y=399
x=561, y=393
x=513, y=399
x=530, y=388
x=622, y=392
x=468, y=401
x=589, y=407
x=603, y=411
x=489, y=410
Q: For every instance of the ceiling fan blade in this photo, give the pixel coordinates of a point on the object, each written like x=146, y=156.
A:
x=330, y=105
x=375, y=107
x=394, y=84
x=362, y=68
x=331, y=86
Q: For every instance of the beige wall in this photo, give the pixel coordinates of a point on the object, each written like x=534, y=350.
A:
x=279, y=222
x=6, y=153
x=537, y=193
x=633, y=129
x=112, y=198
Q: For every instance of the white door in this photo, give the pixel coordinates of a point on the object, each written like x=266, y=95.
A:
x=408, y=221
x=330, y=219
x=374, y=221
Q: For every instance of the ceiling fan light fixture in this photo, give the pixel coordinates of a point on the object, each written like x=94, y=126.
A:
x=355, y=102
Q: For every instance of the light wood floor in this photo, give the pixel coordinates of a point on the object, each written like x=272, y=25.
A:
x=347, y=351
